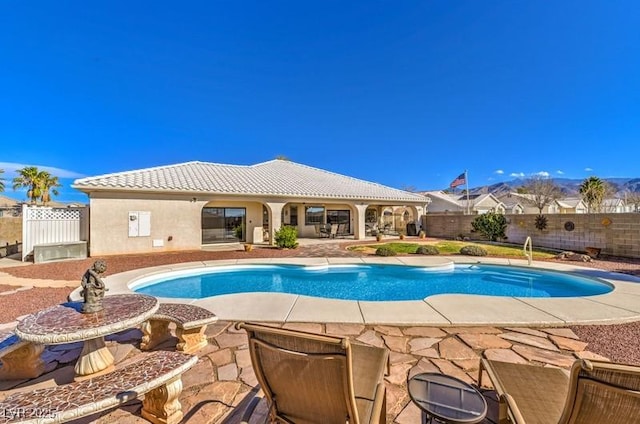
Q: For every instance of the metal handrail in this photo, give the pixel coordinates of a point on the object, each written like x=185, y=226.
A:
x=530, y=254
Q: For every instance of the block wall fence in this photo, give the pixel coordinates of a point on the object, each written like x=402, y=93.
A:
x=10, y=230
x=617, y=234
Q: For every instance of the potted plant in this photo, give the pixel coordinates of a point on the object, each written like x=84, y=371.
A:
x=248, y=247
x=401, y=234
x=379, y=236
x=422, y=234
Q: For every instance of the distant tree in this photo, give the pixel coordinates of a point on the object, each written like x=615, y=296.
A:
x=633, y=199
x=541, y=191
x=28, y=178
x=1, y=180
x=409, y=188
x=39, y=184
x=283, y=157
x=48, y=184
x=593, y=191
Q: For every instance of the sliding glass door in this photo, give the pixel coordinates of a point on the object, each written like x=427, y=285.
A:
x=340, y=217
x=223, y=225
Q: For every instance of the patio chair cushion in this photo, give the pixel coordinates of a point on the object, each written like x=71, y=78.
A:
x=306, y=376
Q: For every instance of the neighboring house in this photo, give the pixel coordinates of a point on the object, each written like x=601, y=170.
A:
x=616, y=206
x=184, y=206
x=442, y=202
x=566, y=205
x=524, y=200
x=9, y=207
x=512, y=206
x=570, y=205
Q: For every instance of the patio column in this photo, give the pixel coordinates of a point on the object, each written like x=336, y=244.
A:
x=359, y=227
x=275, y=219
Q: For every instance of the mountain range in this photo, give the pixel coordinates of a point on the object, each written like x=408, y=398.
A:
x=568, y=186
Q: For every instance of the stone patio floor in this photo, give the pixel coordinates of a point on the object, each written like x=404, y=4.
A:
x=221, y=385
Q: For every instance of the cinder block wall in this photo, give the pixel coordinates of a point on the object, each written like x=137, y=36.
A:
x=10, y=230
x=617, y=234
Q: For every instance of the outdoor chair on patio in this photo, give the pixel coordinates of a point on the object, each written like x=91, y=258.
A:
x=313, y=378
x=594, y=392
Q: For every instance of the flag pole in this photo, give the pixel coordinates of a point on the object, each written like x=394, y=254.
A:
x=466, y=179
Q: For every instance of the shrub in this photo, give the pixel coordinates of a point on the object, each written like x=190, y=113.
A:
x=427, y=250
x=491, y=225
x=287, y=237
x=385, y=251
x=472, y=250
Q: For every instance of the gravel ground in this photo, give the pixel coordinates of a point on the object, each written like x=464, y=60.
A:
x=620, y=343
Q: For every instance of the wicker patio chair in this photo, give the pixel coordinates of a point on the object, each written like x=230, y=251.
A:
x=313, y=378
x=594, y=392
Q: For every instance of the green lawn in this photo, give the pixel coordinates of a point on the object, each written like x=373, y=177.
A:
x=452, y=247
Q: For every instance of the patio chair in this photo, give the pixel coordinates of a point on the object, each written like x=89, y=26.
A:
x=312, y=378
x=342, y=230
x=334, y=231
x=594, y=392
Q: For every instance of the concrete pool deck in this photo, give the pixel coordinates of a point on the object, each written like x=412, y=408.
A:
x=620, y=305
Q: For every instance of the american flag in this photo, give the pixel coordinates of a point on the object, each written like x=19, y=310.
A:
x=461, y=179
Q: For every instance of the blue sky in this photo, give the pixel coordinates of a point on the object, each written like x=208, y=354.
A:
x=407, y=93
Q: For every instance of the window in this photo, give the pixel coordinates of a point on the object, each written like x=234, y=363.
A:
x=293, y=215
x=313, y=215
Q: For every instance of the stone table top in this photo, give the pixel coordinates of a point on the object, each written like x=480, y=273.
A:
x=65, y=323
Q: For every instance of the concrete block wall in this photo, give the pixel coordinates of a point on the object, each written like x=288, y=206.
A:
x=10, y=230
x=617, y=234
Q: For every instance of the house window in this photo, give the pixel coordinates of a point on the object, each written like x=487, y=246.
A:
x=293, y=215
x=313, y=215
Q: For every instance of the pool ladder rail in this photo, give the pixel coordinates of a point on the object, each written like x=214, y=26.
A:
x=529, y=254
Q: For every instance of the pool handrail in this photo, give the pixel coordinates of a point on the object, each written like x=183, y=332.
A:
x=529, y=255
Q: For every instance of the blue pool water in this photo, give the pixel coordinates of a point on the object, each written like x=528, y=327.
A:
x=372, y=282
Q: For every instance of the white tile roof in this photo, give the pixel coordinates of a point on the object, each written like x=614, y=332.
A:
x=272, y=178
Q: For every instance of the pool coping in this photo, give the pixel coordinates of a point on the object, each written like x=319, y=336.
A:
x=619, y=306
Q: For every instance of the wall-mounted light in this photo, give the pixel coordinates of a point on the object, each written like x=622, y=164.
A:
x=193, y=199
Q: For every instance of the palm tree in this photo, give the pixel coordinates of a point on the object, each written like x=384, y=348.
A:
x=593, y=191
x=47, y=183
x=1, y=180
x=28, y=178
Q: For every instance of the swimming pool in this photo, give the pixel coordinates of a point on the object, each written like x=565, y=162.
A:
x=370, y=282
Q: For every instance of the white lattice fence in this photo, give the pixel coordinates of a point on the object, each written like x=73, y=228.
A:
x=42, y=225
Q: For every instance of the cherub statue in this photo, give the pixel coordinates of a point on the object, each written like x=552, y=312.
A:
x=93, y=287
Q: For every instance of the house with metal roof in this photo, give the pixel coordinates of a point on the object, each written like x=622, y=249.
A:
x=187, y=205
